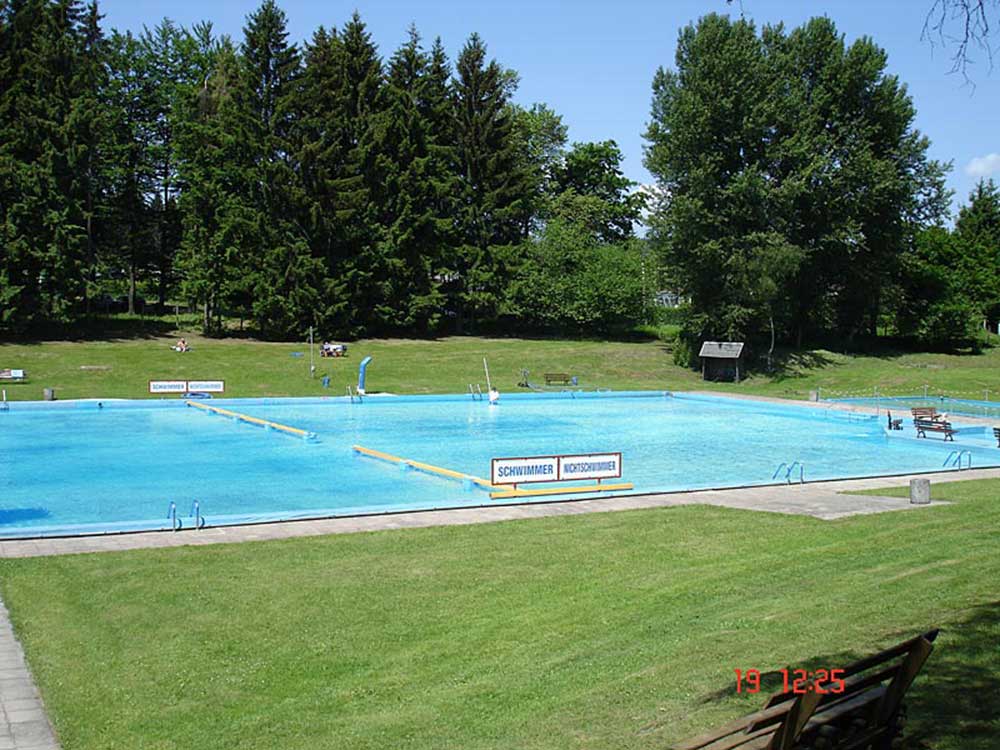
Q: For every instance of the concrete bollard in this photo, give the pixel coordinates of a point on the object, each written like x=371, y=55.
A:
x=920, y=491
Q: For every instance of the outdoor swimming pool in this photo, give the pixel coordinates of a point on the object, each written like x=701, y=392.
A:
x=69, y=468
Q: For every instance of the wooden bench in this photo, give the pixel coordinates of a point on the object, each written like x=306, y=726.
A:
x=861, y=708
x=931, y=425
x=12, y=375
x=996, y=434
x=924, y=412
x=558, y=377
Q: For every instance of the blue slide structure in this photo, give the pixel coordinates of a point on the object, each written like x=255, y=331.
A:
x=361, y=374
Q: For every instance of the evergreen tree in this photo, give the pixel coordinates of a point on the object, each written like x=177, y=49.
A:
x=366, y=272
x=131, y=173
x=977, y=232
x=493, y=188
x=42, y=199
x=411, y=175
x=322, y=145
x=171, y=65
x=214, y=215
x=280, y=275
x=89, y=122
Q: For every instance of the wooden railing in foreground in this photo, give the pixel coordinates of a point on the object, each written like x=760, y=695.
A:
x=861, y=708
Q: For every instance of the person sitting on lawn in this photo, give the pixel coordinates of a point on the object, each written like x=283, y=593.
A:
x=181, y=346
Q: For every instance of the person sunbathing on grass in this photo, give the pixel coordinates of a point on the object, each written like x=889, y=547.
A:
x=181, y=346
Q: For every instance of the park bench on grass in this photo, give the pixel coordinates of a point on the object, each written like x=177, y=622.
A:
x=867, y=713
x=930, y=425
x=924, y=412
x=996, y=434
x=12, y=375
x=558, y=377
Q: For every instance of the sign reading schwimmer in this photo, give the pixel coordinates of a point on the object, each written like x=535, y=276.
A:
x=525, y=469
x=168, y=386
x=187, y=386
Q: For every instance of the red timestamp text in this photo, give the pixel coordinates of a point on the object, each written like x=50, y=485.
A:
x=797, y=681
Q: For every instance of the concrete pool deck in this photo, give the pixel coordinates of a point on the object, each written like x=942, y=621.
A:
x=821, y=500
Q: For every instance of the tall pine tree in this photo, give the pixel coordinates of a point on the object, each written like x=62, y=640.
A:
x=492, y=186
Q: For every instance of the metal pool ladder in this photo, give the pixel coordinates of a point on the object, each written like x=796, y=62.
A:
x=789, y=468
x=955, y=459
x=177, y=524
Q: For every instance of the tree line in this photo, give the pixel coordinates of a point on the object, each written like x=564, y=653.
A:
x=292, y=187
x=797, y=201
x=327, y=186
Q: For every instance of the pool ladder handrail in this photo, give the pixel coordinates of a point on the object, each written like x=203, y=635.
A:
x=353, y=393
x=789, y=468
x=476, y=391
x=199, y=519
x=955, y=459
x=4, y=406
x=175, y=523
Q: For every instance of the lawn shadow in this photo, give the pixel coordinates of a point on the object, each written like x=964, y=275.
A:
x=100, y=328
x=954, y=702
x=790, y=365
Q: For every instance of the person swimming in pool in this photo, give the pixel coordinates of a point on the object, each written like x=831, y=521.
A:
x=494, y=396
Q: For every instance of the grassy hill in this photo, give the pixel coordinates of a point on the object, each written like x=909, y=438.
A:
x=120, y=367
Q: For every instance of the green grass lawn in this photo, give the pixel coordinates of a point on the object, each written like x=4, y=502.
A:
x=121, y=367
x=612, y=630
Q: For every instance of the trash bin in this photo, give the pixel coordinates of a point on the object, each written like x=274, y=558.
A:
x=920, y=491
x=49, y=394
x=325, y=381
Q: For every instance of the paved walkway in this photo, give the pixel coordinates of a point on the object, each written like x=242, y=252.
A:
x=23, y=723
x=821, y=500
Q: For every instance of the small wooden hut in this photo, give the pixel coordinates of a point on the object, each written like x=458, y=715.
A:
x=721, y=360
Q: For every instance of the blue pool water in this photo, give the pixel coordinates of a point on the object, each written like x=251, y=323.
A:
x=75, y=468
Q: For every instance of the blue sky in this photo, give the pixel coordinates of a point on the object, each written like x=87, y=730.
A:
x=593, y=62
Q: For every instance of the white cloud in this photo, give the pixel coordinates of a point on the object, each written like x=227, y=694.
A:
x=983, y=166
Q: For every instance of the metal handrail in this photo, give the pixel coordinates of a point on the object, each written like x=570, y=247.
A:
x=777, y=471
x=175, y=523
x=954, y=459
x=199, y=519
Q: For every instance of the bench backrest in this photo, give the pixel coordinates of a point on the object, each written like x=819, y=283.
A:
x=923, y=411
x=873, y=687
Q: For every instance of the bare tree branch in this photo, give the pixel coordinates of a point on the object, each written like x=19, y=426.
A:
x=964, y=26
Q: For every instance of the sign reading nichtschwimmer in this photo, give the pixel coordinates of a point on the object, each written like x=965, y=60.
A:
x=525, y=469
x=590, y=466
x=187, y=386
x=207, y=386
